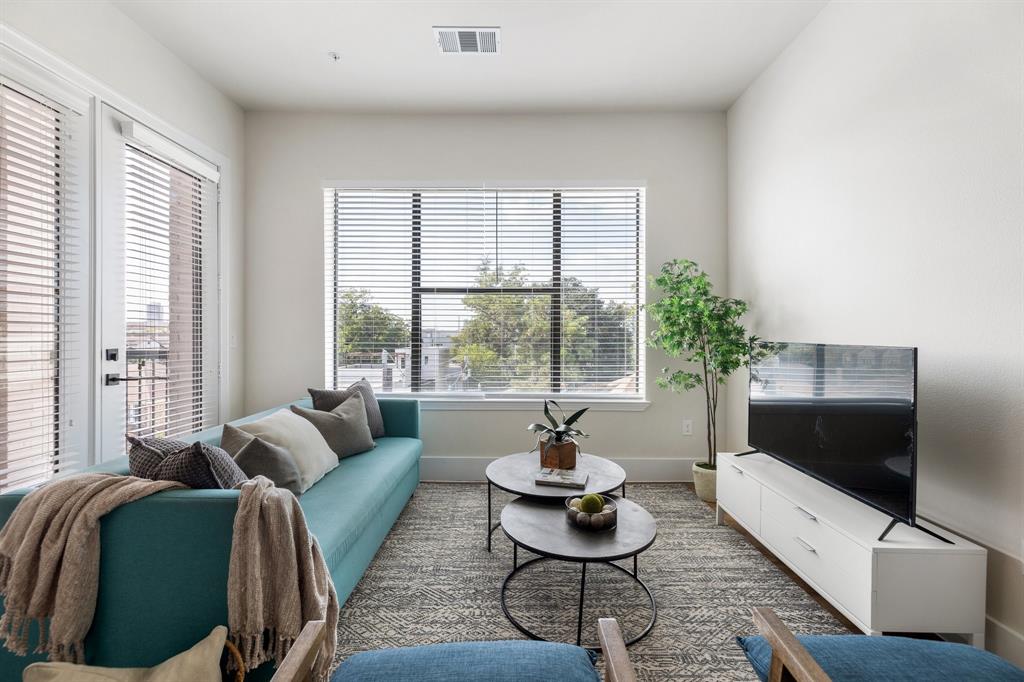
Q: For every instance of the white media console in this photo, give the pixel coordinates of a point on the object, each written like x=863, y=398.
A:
x=908, y=582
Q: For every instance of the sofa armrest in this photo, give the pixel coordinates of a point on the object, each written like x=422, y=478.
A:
x=401, y=417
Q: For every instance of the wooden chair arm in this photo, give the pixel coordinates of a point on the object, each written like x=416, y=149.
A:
x=790, y=660
x=298, y=664
x=617, y=667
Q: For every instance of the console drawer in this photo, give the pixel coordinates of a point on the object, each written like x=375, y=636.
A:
x=821, y=566
x=740, y=495
x=849, y=554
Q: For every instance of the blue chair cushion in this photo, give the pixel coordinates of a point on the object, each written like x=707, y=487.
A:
x=503, y=661
x=858, y=657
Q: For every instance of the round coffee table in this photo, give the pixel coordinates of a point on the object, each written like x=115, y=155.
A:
x=541, y=527
x=516, y=474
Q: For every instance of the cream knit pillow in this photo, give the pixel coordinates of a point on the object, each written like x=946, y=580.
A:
x=285, y=429
x=201, y=663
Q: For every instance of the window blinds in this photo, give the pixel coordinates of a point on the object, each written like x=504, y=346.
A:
x=165, y=212
x=39, y=271
x=497, y=291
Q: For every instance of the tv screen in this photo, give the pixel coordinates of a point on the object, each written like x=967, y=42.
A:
x=845, y=415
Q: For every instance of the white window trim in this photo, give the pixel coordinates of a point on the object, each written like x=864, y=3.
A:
x=16, y=48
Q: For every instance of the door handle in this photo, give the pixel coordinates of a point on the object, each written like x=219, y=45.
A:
x=115, y=379
x=738, y=470
x=806, y=545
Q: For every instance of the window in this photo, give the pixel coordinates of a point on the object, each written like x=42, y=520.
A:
x=39, y=268
x=166, y=214
x=509, y=292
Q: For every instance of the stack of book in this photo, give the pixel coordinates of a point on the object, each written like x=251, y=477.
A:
x=563, y=478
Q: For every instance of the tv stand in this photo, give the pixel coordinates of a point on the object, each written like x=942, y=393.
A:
x=892, y=524
x=905, y=581
x=748, y=452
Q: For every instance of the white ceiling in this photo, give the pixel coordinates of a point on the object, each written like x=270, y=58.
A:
x=559, y=55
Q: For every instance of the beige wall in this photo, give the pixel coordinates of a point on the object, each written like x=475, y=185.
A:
x=101, y=42
x=875, y=183
x=289, y=156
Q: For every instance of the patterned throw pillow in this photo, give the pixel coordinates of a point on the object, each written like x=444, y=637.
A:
x=197, y=465
x=325, y=400
x=145, y=454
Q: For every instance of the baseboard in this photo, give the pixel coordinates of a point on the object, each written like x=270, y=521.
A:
x=1004, y=641
x=655, y=469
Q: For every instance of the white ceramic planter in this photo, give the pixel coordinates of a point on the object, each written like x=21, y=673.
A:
x=704, y=481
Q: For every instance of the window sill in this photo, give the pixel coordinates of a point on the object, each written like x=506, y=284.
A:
x=483, y=404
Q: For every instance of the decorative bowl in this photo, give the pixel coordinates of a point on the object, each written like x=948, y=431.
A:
x=602, y=520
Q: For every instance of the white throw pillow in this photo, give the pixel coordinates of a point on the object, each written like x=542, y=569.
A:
x=312, y=455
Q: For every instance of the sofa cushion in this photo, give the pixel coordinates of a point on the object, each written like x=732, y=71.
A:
x=308, y=448
x=502, y=661
x=344, y=428
x=856, y=658
x=326, y=400
x=340, y=506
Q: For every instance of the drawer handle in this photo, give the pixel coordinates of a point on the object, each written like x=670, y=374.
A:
x=738, y=470
x=806, y=514
x=806, y=545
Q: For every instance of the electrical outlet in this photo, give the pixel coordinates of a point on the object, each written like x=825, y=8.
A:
x=687, y=427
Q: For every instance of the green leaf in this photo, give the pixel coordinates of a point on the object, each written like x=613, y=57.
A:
x=575, y=415
x=547, y=413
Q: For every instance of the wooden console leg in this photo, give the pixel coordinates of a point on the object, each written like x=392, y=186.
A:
x=719, y=515
x=977, y=640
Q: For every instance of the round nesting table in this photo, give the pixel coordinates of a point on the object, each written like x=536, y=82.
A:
x=516, y=473
x=541, y=527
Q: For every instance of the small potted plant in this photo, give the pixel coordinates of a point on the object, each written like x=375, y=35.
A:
x=703, y=329
x=558, y=443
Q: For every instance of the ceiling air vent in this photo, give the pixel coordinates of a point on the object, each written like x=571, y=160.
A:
x=468, y=39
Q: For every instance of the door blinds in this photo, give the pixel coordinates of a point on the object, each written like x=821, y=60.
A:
x=165, y=212
x=498, y=291
x=39, y=270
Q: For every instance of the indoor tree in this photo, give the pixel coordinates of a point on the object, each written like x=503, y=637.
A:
x=703, y=329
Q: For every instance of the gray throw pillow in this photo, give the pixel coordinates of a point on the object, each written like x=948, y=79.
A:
x=345, y=428
x=257, y=457
x=201, y=466
x=145, y=454
x=325, y=401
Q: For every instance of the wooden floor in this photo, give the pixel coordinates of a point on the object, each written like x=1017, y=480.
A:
x=787, y=570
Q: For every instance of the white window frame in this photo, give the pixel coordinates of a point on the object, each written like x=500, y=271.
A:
x=492, y=401
x=18, y=54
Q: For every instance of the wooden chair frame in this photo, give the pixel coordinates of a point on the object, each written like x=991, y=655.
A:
x=790, y=660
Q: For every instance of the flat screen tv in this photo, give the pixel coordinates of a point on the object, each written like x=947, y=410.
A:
x=846, y=415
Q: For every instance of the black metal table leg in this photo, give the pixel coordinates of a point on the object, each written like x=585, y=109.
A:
x=579, y=616
x=623, y=488
x=489, y=529
x=515, y=556
x=634, y=564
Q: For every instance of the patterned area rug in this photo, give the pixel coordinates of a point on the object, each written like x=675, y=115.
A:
x=434, y=581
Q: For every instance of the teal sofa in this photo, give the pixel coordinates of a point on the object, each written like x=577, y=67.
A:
x=164, y=559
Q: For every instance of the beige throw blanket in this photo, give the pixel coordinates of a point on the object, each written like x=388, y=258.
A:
x=50, y=560
x=277, y=579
